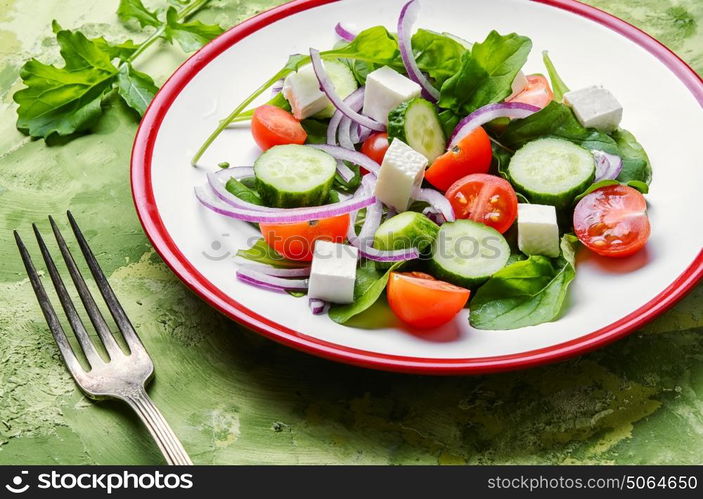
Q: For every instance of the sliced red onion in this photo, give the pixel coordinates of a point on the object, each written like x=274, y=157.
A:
x=277, y=87
x=437, y=201
x=344, y=33
x=274, y=271
x=318, y=306
x=608, y=166
x=374, y=214
x=344, y=171
x=355, y=101
x=237, y=172
x=434, y=215
x=327, y=87
x=283, y=215
x=217, y=182
x=344, y=134
x=259, y=284
x=352, y=156
x=371, y=253
x=270, y=280
x=364, y=133
x=354, y=133
x=408, y=16
x=489, y=113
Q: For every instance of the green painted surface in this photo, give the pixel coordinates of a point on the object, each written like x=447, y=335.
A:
x=235, y=397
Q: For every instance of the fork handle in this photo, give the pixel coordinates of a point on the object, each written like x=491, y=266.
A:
x=165, y=438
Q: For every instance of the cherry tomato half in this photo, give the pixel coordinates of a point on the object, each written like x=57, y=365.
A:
x=472, y=154
x=296, y=241
x=484, y=198
x=375, y=146
x=612, y=220
x=423, y=302
x=537, y=92
x=273, y=126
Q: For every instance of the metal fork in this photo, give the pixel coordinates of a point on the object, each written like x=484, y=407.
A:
x=122, y=376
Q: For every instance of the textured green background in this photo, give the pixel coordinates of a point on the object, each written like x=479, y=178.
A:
x=235, y=397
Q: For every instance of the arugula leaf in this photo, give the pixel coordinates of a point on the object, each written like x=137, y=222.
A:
x=369, y=285
x=135, y=9
x=486, y=73
x=261, y=252
x=636, y=167
x=526, y=292
x=558, y=86
x=189, y=35
x=243, y=192
x=136, y=88
x=375, y=45
x=437, y=55
x=555, y=120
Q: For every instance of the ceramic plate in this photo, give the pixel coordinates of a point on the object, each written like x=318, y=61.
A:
x=608, y=298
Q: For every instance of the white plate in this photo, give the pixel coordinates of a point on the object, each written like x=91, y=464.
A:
x=608, y=297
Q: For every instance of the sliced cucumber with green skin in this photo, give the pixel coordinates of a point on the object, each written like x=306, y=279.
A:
x=291, y=176
x=416, y=123
x=467, y=253
x=551, y=171
x=344, y=84
x=404, y=231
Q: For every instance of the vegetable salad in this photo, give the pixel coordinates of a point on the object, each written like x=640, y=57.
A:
x=432, y=169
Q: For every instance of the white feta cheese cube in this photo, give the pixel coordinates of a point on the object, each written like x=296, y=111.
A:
x=595, y=107
x=333, y=272
x=402, y=171
x=537, y=229
x=385, y=90
x=518, y=84
x=302, y=90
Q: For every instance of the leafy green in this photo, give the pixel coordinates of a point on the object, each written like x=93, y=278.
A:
x=437, y=55
x=65, y=100
x=369, y=285
x=243, y=192
x=136, y=88
x=555, y=120
x=526, y=292
x=594, y=186
x=486, y=73
x=316, y=130
x=189, y=35
x=635, y=162
x=449, y=120
x=261, y=252
x=135, y=9
x=558, y=86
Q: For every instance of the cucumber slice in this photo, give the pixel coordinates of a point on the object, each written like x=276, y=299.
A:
x=409, y=229
x=344, y=84
x=416, y=123
x=552, y=171
x=290, y=176
x=467, y=253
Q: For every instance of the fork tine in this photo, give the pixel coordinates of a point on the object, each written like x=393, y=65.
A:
x=73, y=318
x=96, y=317
x=113, y=304
x=48, y=310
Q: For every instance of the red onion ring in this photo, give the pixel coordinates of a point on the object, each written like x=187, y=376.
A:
x=437, y=201
x=282, y=215
x=237, y=172
x=608, y=166
x=352, y=156
x=344, y=33
x=269, y=280
x=344, y=134
x=408, y=16
x=488, y=113
x=328, y=88
x=276, y=272
x=318, y=306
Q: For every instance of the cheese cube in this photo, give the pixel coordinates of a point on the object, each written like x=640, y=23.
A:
x=519, y=84
x=537, y=229
x=385, y=90
x=333, y=272
x=302, y=90
x=595, y=107
x=402, y=171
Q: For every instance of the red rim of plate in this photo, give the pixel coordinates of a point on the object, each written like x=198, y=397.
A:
x=156, y=231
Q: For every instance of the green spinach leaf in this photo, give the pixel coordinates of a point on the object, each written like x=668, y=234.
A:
x=636, y=167
x=261, y=252
x=526, y=292
x=437, y=55
x=369, y=285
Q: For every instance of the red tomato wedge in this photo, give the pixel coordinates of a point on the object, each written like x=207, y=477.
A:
x=484, y=198
x=296, y=241
x=537, y=92
x=375, y=146
x=421, y=301
x=273, y=126
x=473, y=154
x=612, y=221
